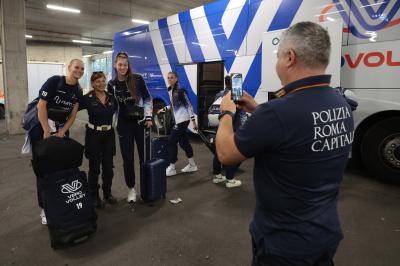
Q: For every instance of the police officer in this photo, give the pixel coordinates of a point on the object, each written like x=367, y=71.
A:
x=135, y=106
x=57, y=109
x=301, y=142
x=100, y=138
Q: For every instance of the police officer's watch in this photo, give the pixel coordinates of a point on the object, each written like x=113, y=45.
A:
x=226, y=112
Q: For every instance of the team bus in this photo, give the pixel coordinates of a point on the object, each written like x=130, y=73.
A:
x=205, y=43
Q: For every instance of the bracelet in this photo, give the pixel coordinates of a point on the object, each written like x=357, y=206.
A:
x=226, y=112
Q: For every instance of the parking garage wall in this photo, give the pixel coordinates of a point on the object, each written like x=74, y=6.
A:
x=48, y=53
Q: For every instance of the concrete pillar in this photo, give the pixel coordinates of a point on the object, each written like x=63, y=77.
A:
x=15, y=77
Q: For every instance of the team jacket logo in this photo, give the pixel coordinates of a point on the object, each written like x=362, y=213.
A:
x=366, y=17
x=71, y=188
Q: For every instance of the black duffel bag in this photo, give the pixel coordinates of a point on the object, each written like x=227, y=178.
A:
x=55, y=154
x=134, y=112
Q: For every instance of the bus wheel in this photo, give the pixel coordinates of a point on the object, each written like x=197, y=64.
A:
x=380, y=150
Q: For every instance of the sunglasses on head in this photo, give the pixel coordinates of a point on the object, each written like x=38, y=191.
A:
x=122, y=53
x=98, y=72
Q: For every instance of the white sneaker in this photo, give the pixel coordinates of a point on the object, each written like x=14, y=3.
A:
x=233, y=183
x=189, y=168
x=131, y=196
x=219, y=178
x=43, y=216
x=170, y=170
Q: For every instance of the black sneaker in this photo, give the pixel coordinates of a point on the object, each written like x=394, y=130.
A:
x=110, y=199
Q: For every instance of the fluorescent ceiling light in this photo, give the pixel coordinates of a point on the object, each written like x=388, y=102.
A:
x=88, y=55
x=28, y=36
x=81, y=41
x=140, y=21
x=127, y=33
x=107, y=52
x=65, y=9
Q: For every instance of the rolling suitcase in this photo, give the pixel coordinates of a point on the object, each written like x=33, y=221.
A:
x=153, y=181
x=68, y=206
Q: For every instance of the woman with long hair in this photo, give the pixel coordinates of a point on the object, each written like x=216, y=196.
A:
x=57, y=109
x=135, y=113
x=182, y=113
x=100, y=138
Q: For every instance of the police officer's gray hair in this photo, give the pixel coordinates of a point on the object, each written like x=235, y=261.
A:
x=310, y=42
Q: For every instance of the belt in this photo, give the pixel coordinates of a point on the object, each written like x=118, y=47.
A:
x=99, y=128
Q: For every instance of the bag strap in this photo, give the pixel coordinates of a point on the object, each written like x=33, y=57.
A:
x=60, y=83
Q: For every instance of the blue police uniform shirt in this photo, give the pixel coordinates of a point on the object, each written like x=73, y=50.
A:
x=99, y=113
x=301, y=143
x=60, y=95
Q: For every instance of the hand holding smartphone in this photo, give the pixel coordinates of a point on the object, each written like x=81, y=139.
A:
x=237, y=90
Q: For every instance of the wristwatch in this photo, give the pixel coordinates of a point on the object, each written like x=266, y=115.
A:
x=225, y=112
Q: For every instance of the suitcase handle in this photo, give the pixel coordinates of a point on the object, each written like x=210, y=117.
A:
x=146, y=135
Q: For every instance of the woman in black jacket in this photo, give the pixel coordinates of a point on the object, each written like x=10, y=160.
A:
x=182, y=113
x=135, y=113
x=57, y=109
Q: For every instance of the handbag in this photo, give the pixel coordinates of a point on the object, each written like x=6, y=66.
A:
x=134, y=112
x=59, y=114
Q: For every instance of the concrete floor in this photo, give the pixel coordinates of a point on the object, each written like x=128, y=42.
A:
x=210, y=226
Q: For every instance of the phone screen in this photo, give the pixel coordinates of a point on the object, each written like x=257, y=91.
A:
x=237, y=90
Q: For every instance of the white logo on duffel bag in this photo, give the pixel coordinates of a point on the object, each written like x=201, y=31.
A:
x=71, y=188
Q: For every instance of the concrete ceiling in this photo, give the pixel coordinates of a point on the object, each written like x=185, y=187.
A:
x=98, y=20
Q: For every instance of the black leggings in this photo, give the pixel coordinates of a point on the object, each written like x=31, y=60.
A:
x=100, y=150
x=179, y=135
x=230, y=170
x=129, y=132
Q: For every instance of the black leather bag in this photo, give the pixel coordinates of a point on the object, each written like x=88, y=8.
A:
x=134, y=112
x=59, y=114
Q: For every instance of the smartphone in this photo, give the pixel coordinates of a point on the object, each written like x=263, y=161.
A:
x=237, y=90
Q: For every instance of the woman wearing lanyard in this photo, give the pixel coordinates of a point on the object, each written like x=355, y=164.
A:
x=135, y=113
x=182, y=113
x=100, y=138
x=57, y=109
